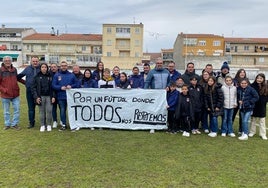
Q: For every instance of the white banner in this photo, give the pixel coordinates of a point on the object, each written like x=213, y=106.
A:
x=117, y=108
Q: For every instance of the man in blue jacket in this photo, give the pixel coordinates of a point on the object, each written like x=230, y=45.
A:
x=157, y=78
x=62, y=81
x=29, y=72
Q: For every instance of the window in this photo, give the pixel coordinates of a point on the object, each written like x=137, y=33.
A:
x=202, y=43
x=137, y=30
x=28, y=47
x=14, y=47
x=109, y=54
x=246, y=48
x=54, y=59
x=84, y=48
x=137, y=43
x=261, y=59
x=122, y=30
x=109, y=30
x=189, y=42
x=137, y=54
x=109, y=43
x=216, y=43
x=43, y=47
x=69, y=59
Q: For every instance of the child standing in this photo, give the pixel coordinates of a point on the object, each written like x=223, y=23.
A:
x=247, y=97
x=229, y=103
x=196, y=92
x=184, y=111
x=213, y=99
x=172, y=100
x=44, y=97
x=259, y=111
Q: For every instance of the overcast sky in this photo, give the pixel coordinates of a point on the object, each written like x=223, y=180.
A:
x=163, y=20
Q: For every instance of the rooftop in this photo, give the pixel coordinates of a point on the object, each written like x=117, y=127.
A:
x=66, y=37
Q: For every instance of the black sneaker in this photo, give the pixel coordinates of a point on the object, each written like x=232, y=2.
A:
x=6, y=127
x=16, y=127
x=63, y=128
x=30, y=126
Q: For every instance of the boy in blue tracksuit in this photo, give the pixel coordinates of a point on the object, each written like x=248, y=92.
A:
x=62, y=81
x=172, y=100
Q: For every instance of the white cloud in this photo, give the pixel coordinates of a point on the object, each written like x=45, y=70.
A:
x=242, y=18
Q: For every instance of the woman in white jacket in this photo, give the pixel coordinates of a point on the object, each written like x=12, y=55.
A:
x=230, y=102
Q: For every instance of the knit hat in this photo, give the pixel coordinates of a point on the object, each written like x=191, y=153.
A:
x=225, y=66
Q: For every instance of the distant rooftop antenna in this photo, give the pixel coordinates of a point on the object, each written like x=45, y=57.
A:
x=52, y=31
x=134, y=21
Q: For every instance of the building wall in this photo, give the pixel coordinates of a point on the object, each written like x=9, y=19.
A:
x=122, y=45
x=82, y=53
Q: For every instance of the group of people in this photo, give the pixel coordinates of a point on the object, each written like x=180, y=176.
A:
x=194, y=101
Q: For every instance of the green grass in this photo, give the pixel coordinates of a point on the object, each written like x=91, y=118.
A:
x=114, y=158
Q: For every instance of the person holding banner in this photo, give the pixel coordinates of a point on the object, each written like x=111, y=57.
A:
x=87, y=80
x=107, y=80
x=62, y=81
x=158, y=78
x=124, y=82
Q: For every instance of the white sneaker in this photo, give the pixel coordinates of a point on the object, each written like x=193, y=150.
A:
x=92, y=128
x=49, y=128
x=206, y=131
x=197, y=131
x=250, y=134
x=193, y=131
x=42, y=128
x=223, y=134
x=231, y=135
x=152, y=131
x=55, y=124
x=186, y=134
x=264, y=137
x=243, y=137
x=212, y=134
x=61, y=123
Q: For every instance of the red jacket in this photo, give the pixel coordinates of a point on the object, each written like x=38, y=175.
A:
x=9, y=87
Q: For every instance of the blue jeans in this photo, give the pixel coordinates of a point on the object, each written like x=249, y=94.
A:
x=213, y=123
x=31, y=106
x=63, y=108
x=245, y=118
x=16, y=111
x=204, y=120
x=227, y=125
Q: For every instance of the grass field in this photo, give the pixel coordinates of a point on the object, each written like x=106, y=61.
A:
x=114, y=158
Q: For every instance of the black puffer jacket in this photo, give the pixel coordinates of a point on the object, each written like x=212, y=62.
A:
x=42, y=85
x=213, y=99
x=260, y=106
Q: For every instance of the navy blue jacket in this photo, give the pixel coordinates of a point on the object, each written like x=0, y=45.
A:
x=63, y=78
x=136, y=81
x=30, y=73
x=172, y=99
x=174, y=76
x=88, y=83
x=248, y=96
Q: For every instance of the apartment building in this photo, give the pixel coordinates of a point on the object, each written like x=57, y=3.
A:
x=251, y=53
x=122, y=45
x=11, y=42
x=84, y=50
x=199, y=49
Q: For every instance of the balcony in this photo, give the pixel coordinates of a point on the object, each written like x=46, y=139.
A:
x=122, y=35
x=122, y=47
